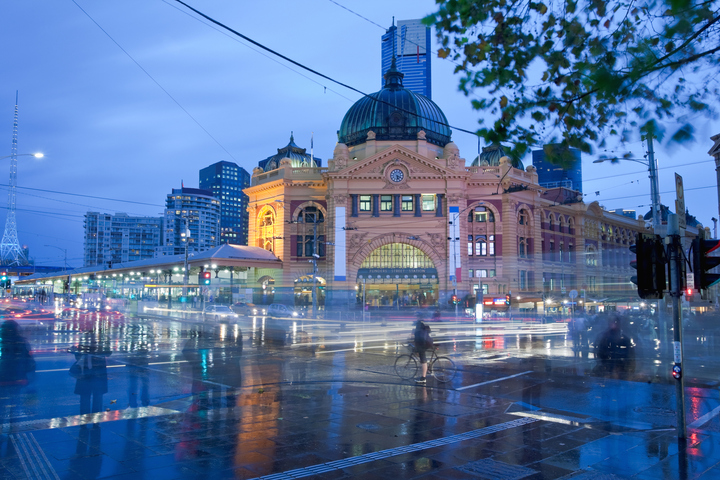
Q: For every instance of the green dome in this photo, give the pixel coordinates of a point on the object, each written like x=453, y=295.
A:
x=490, y=157
x=394, y=113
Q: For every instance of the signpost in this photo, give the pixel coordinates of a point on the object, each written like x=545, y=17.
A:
x=680, y=202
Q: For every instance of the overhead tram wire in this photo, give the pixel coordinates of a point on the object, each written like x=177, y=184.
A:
x=255, y=50
x=156, y=82
x=86, y=196
x=315, y=72
x=447, y=59
x=645, y=171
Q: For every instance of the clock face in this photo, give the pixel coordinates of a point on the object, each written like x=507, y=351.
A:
x=396, y=175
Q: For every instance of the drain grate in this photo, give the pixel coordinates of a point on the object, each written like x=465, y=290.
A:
x=490, y=469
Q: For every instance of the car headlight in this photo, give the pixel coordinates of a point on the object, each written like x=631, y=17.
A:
x=295, y=314
x=254, y=311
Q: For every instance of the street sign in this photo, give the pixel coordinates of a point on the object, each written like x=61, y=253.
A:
x=680, y=202
x=573, y=293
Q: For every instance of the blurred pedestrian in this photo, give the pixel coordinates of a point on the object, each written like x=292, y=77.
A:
x=423, y=341
x=17, y=368
x=16, y=363
x=614, y=349
x=90, y=374
x=139, y=376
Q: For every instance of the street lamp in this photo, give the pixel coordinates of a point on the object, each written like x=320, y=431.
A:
x=651, y=164
x=63, y=249
x=36, y=155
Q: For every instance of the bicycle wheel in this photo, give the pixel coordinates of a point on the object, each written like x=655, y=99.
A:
x=443, y=369
x=406, y=366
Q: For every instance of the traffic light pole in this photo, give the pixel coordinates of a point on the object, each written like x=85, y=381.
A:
x=676, y=282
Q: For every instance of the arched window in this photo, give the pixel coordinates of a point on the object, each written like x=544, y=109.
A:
x=397, y=255
x=481, y=215
x=522, y=247
x=523, y=217
x=266, y=228
x=310, y=220
x=310, y=214
x=591, y=257
x=481, y=246
x=551, y=222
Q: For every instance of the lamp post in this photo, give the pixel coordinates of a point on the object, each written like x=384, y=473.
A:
x=64, y=250
x=456, y=222
x=651, y=164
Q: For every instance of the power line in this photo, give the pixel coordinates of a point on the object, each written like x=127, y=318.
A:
x=257, y=51
x=315, y=72
x=85, y=196
x=645, y=171
x=155, y=81
x=667, y=191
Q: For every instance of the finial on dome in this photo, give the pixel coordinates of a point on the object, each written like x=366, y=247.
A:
x=393, y=77
x=292, y=139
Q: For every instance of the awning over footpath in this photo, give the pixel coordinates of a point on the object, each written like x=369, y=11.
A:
x=223, y=256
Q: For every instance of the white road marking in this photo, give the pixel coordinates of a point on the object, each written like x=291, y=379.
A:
x=493, y=381
x=705, y=418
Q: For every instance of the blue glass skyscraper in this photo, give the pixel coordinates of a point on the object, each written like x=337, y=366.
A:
x=226, y=180
x=410, y=42
x=551, y=175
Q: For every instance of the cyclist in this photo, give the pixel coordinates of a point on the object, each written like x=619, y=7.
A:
x=423, y=341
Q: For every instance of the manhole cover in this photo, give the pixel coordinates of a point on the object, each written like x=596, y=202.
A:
x=654, y=410
x=493, y=470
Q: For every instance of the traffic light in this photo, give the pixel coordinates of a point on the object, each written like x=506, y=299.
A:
x=454, y=300
x=650, y=263
x=4, y=280
x=206, y=278
x=507, y=299
x=703, y=262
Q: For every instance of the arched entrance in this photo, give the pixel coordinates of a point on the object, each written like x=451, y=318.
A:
x=265, y=295
x=397, y=275
x=304, y=290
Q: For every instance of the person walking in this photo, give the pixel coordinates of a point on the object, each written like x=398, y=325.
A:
x=17, y=367
x=90, y=373
x=423, y=341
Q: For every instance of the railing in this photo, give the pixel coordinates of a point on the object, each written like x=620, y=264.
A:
x=484, y=170
x=313, y=171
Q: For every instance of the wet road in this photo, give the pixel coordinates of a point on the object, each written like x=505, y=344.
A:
x=179, y=398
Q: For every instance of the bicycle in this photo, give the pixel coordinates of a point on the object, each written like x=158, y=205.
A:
x=442, y=368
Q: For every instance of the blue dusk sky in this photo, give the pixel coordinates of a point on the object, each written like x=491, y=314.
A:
x=127, y=99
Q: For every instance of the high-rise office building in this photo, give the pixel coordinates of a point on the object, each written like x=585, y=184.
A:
x=192, y=215
x=551, y=175
x=226, y=181
x=409, y=41
x=111, y=239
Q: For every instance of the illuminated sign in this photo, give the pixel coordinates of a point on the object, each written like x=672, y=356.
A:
x=501, y=302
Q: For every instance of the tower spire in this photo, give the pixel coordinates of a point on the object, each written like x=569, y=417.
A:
x=10, y=250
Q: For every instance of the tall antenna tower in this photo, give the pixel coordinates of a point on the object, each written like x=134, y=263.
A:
x=10, y=250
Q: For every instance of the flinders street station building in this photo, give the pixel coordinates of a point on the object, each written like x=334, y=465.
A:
x=399, y=219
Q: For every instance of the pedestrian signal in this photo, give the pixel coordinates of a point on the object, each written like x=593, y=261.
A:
x=206, y=278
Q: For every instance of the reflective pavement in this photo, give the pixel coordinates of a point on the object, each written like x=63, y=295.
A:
x=130, y=398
